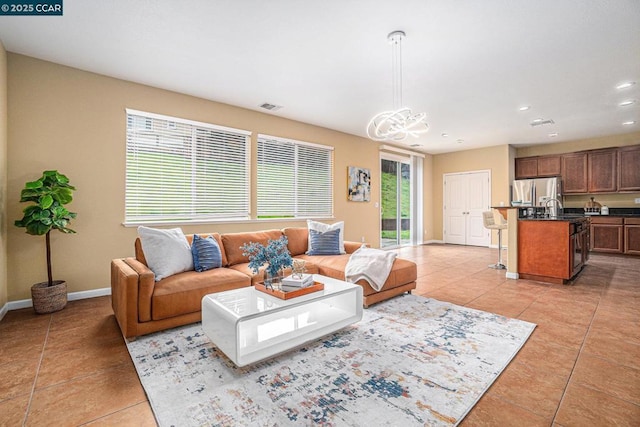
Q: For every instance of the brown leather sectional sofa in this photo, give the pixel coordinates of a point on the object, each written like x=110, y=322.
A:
x=142, y=305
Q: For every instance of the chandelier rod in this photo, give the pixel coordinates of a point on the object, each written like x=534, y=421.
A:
x=395, y=38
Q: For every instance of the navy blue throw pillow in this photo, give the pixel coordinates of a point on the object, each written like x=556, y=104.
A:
x=327, y=243
x=206, y=253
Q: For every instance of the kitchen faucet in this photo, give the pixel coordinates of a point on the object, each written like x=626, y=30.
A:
x=547, y=212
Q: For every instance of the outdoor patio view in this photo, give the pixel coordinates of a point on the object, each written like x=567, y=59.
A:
x=396, y=198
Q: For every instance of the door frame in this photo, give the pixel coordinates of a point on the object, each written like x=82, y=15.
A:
x=415, y=161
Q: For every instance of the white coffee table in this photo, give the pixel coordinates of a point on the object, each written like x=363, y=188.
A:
x=248, y=325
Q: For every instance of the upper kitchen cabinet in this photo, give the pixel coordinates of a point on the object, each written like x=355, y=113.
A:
x=526, y=167
x=574, y=173
x=629, y=168
x=534, y=167
x=608, y=170
x=549, y=166
x=602, y=167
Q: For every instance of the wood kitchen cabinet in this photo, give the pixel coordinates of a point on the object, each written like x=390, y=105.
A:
x=534, y=167
x=549, y=166
x=602, y=168
x=552, y=251
x=607, y=234
x=629, y=168
x=574, y=173
x=526, y=167
x=632, y=236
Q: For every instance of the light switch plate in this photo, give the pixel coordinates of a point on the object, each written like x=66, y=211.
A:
x=638, y=200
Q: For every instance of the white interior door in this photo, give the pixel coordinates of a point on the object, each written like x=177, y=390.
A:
x=466, y=196
x=455, y=209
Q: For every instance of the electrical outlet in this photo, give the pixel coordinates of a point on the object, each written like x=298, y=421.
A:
x=638, y=200
x=362, y=239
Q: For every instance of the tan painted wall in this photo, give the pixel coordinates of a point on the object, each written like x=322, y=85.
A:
x=620, y=200
x=74, y=121
x=496, y=159
x=3, y=176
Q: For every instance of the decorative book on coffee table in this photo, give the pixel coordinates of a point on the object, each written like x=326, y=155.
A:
x=298, y=281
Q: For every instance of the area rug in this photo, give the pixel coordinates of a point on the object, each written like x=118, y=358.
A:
x=410, y=361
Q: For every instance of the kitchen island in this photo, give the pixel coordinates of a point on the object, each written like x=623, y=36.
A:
x=552, y=249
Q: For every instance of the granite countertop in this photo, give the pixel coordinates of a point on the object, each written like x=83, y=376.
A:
x=577, y=214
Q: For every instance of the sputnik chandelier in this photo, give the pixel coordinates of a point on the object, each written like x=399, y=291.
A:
x=400, y=123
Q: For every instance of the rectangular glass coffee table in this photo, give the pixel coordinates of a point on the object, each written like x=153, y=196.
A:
x=249, y=326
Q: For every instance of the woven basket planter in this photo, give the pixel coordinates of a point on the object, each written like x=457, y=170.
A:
x=47, y=299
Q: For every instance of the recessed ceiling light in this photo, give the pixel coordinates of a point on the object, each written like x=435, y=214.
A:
x=629, y=123
x=460, y=141
x=625, y=85
x=444, y=134
x=416, y=145
x=553, y=135
x=541, y=122
x=627, y=103
x=524, y=107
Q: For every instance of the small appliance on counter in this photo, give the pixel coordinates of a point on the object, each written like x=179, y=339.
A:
x=593, y=208
x=604, y=210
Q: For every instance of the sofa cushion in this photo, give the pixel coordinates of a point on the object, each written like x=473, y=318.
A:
x=402, y=272
x=140, y=253
x=298, y=240
x=324, y=243
x=322, y=227
x=166, y=251
x=206, y=253
x=233, y=241
x=182, y=293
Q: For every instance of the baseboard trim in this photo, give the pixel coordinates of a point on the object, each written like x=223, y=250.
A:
x=71, y=296
x=428, y=242
x=4, y=310
x=511, y=275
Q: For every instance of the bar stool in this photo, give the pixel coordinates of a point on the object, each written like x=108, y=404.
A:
x=490, y=223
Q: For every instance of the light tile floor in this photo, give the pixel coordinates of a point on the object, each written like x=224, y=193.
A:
x=581, y=366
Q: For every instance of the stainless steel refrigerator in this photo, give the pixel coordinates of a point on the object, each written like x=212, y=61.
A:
x=536, y=192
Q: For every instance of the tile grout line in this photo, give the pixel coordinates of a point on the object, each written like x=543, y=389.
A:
x=584, y=340
x=35, y=379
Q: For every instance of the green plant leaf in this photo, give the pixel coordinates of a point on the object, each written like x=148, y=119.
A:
x=38, y=228
x=46, y=201
x=33, y=184
x=62, y=195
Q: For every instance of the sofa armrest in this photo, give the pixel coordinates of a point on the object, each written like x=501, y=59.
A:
x=351, y=247
x=124, y=296
x=146, y=284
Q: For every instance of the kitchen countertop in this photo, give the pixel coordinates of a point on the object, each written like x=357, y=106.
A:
x=576, y=214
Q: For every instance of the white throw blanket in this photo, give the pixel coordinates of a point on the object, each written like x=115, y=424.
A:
x=372, y=265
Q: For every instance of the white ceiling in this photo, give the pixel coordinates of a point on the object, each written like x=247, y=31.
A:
x=468, y=64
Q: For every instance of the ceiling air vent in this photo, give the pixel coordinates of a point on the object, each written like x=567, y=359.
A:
x=270, y=107
x=540, y=122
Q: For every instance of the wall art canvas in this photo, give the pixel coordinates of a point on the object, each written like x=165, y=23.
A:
x=359, y=184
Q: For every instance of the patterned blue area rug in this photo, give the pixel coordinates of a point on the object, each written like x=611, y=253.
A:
x=410, y=361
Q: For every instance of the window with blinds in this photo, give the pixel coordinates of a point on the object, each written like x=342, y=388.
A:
x=295, y=179
x=182, y=171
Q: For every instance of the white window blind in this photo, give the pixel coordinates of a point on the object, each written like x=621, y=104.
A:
x=295, y=179
x=180, y=170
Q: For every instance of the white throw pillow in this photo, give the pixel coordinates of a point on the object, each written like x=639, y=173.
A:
x=322, y=227
x=167, y=251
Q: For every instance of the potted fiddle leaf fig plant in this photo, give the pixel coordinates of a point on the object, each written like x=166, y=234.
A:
x=49, y=195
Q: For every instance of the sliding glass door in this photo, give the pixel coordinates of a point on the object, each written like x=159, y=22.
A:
x=396, y=189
